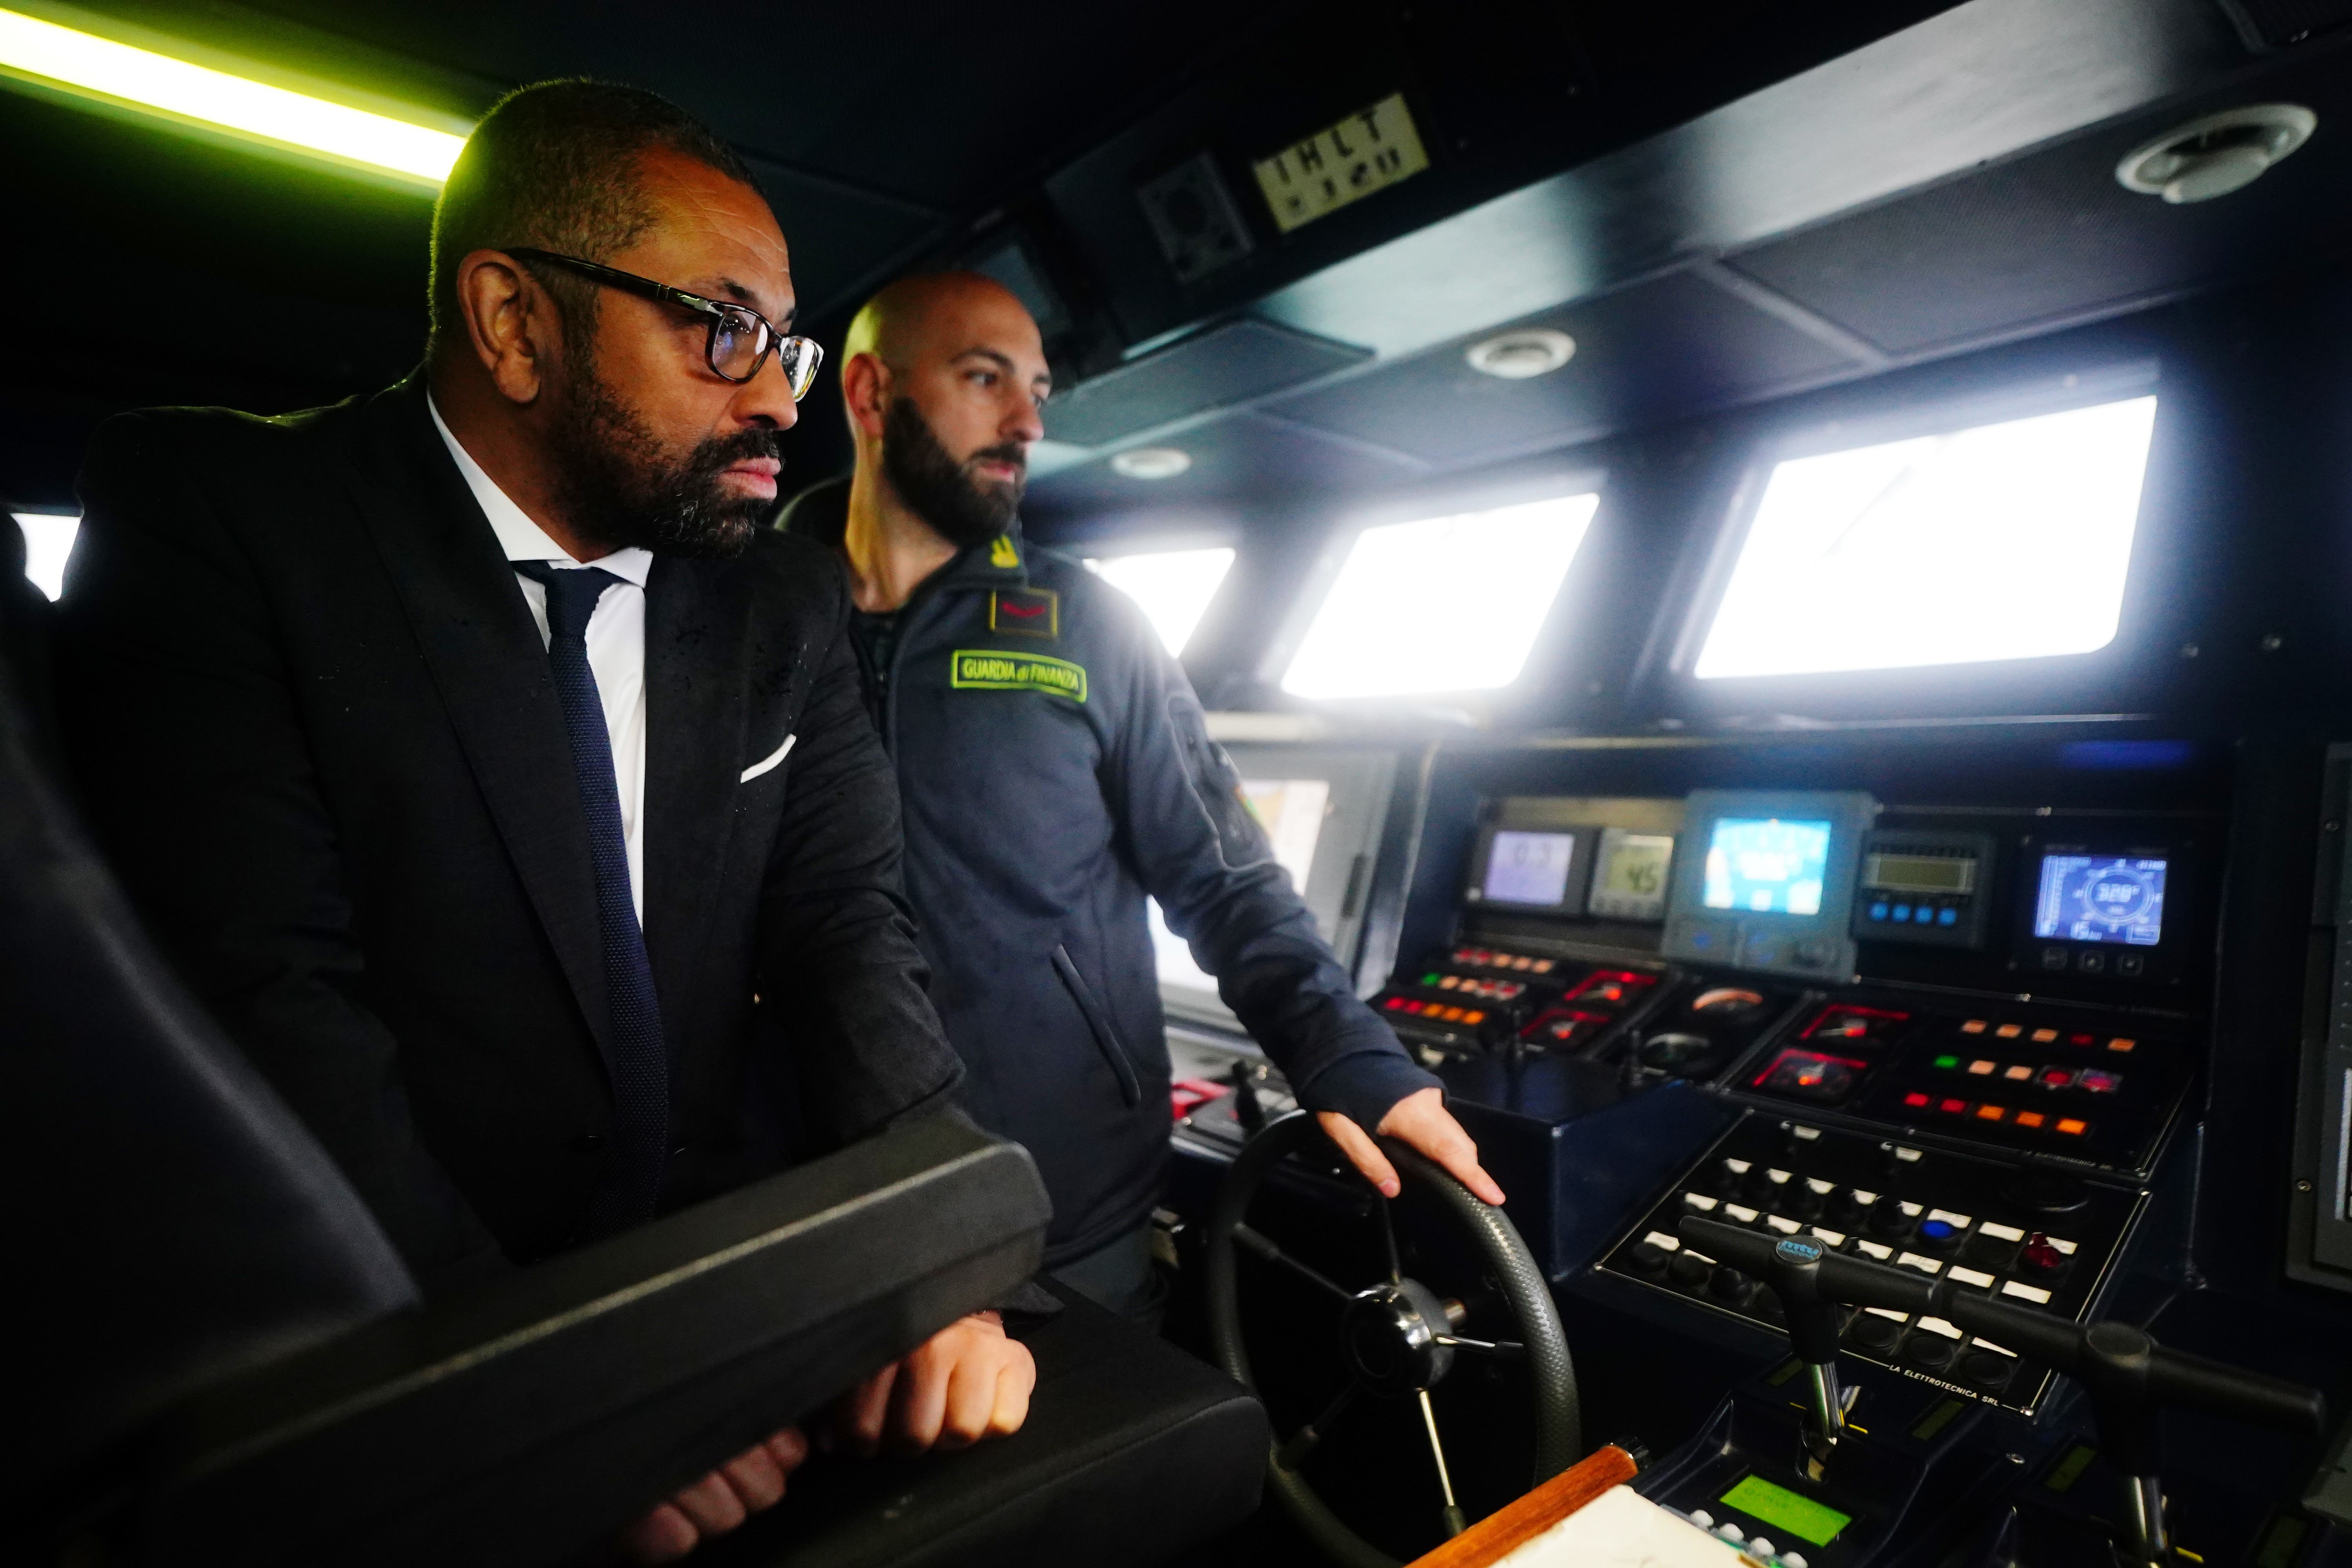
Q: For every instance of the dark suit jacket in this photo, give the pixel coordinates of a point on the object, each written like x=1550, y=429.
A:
x=314, y=726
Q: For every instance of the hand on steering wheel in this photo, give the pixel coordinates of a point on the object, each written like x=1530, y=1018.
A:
x=1421, y=1121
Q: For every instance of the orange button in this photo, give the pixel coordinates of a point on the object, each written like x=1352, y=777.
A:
x=2043, y=1037
x=2009, y=1031
x=2120, y=1043
x=2031, y=1119
x=1973, y=1027
x=2073, y=1126
x=1991, y=1112
x=1474, y=1017
x=1453, y=1015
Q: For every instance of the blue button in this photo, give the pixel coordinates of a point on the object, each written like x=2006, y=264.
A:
x=1878, y=911
x=1947, y=917
x=1902, y=912
x=1937, y=1231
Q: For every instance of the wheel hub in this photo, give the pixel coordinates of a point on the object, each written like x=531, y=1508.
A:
x=1393, y=1334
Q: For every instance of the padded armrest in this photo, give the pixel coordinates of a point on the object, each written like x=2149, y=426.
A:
x=528, y=1424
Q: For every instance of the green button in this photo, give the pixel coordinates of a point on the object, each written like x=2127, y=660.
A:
x=1432, y=978
x=1947, y=1061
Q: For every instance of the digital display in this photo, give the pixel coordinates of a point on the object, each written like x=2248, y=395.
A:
x=1920, y=873
x=1630, y=882
x=1791, y=1513
x=1766, y=866
x=1528, y=868
x=2101, y=898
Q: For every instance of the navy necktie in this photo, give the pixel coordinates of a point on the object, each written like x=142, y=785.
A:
x=640, y=1062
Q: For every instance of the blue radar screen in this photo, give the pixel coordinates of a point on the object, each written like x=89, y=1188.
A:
x=1766, y=866
x=2101, y=898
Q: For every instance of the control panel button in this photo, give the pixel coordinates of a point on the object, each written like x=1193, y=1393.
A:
x=2131, y=966
x=2091, y=962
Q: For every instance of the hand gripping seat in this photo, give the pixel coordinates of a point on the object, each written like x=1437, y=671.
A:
x=219, y=1358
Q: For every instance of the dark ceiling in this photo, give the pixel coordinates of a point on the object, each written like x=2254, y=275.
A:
x=1721, y=200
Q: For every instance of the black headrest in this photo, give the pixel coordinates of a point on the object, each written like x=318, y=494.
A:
x=167, y=1221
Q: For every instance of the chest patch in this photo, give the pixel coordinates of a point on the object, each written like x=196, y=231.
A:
x=1026, y=611
x=994, y=669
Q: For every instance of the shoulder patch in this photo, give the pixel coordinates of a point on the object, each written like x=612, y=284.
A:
x=1001, y=553
x=1026, y=611
x=994, y=669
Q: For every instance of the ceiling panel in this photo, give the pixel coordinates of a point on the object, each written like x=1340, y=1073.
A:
x=1223, y=366
x=2051, y=238
x=1673, y=346
x=1237, y=458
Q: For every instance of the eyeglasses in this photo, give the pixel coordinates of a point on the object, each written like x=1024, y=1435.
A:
x=741, y=338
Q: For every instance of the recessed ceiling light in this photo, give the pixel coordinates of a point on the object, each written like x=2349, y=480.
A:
x=2218, y=154
x=1152, y=462
x=1518, y=355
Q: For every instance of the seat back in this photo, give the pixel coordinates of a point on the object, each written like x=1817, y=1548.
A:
x=168, y=1221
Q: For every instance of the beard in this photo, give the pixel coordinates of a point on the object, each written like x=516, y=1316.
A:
x=961, y=508
x=622, y=486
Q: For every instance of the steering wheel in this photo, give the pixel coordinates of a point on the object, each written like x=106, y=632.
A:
x=1397, y=1335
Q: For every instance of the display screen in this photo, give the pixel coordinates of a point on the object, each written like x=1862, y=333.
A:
x=2101, y=898
x=1920, y=873
x=1791, y=1513
x=1631, y=880
x=1528, y=868
x=1766, y=866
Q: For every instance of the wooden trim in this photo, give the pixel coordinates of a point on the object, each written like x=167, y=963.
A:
x=1499, y=1534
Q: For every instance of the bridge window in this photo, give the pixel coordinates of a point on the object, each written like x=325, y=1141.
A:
x=48, y=540
x=2006, y=540
x=1445, y=604
x=1173, y=586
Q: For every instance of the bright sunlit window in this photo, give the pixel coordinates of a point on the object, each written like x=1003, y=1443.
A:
x=1173, y=586
x=1446, y=604
x=48, y=540
x=2006, y=540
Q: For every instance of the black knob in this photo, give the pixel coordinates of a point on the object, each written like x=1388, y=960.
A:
x=1988, y=1370
x=2047, y=1192
x=1887, y=1219
x=1687, y=1271
x=1930, y=1353
x=1843, y=1211
x=1873, y=1333
x=1765, y=1305
x=1724, y=1180
x=1729, y=1285
x=1647, y=1258
x=1799, y=1202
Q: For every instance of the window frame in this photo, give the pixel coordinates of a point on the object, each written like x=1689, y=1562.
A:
x=2038, y=682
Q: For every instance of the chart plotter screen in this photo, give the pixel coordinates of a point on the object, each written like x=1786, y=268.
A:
x=1529, y=867
x=1766, y=866
x=2101, y=898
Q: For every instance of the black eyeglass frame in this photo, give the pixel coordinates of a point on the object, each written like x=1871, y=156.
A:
x=717, y=310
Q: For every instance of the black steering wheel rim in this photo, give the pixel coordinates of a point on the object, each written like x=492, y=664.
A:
x=1559, y=1417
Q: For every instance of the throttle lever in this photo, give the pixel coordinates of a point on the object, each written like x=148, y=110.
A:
x=1794, y=1275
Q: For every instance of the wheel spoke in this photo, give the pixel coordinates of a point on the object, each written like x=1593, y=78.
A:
x=1445, y=1482
x=1264, y=1247
x=1509, y=1349
x=1293, y=1454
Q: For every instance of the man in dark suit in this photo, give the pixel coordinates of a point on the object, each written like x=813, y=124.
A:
x=490, y=772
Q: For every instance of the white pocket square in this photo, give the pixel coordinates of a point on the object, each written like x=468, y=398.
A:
x=768, y=762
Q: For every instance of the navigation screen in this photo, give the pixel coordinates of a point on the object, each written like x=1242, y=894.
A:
x=1631, y=881
x=1766, y=866
x=1529, y=868
x=2101, y=898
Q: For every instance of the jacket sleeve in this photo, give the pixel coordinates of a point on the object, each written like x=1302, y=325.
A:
x=182, y=734
x=836, y=936
x=1204, y=855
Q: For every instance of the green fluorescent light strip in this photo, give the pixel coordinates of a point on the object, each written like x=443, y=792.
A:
x=86, y=63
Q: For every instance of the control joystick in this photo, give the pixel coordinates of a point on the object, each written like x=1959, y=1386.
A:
x=1813, y=1319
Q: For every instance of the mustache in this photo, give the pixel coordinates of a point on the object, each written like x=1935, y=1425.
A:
x=725, y=451
x=1011, y=454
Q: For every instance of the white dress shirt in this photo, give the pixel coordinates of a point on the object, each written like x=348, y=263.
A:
x=616, y=641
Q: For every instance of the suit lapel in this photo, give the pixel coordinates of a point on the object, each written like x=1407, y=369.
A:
x=491, y=670
x=696, y=621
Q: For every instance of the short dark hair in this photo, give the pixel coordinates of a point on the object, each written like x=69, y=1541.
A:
x=554, y=165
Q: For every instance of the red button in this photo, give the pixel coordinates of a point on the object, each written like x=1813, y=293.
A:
x=1395, y=1003
x=1915, y=1101
x=1954, y=1107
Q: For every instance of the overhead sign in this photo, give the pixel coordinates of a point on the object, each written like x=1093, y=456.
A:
x=1368, y=151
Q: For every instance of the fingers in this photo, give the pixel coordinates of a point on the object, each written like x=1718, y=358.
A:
x=1421, y=1121
x=1014, y=1385
x=789, y=1449
x=859, y=1415
x=664, y=1535
x=757, y=1478
x=709, y=1505
x=919, y=1403
x=1361, y=1152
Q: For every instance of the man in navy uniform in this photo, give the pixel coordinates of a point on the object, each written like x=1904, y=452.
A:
x=1056, y=769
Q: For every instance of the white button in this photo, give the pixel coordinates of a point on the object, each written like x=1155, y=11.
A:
x=1820, y=1187
x=1730, y=1531
x=1761, y=1545
x=2001, y=1232
x=1703, y=1519
x=1791, y=1559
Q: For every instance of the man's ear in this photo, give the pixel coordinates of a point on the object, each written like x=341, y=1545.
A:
x=509, y=321
x=866, y=392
